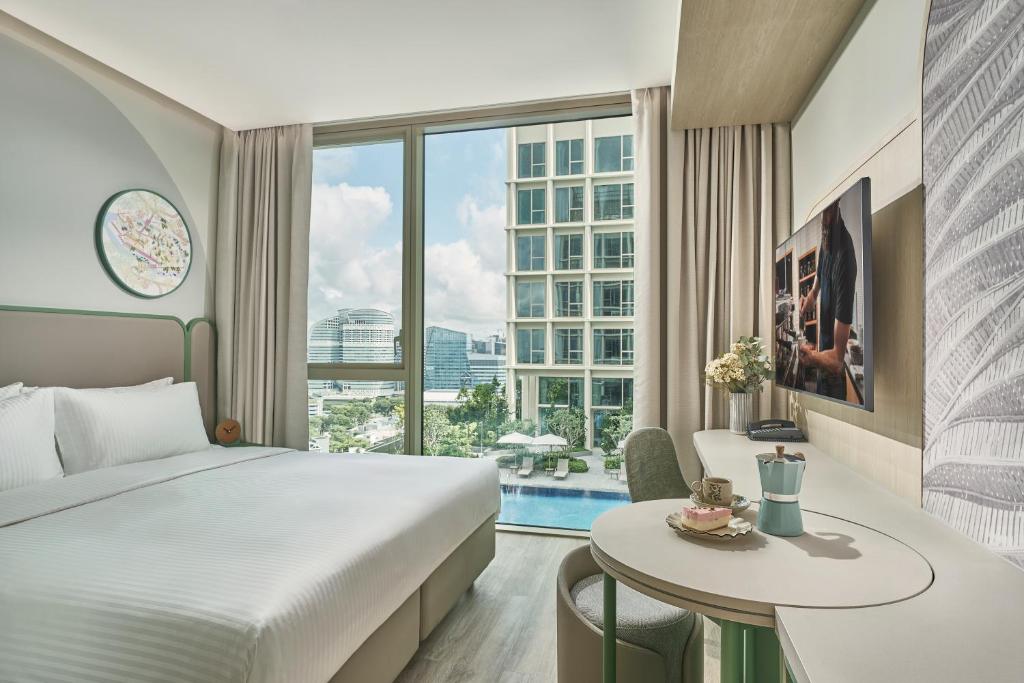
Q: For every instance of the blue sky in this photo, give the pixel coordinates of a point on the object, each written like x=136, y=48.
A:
x=356, y=226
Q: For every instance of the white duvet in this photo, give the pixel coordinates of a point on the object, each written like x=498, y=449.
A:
x=242, y=564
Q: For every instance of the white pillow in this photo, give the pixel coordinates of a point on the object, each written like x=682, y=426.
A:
x=27, y=453
x=10, y=390
x=106, y=428
x=162, y=382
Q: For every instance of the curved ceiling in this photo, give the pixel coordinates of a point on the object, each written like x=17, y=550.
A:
x=253, y=63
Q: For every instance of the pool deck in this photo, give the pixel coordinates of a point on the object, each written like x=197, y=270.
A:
x=593, y=480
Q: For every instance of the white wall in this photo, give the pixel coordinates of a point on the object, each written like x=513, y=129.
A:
x=870, y=91
x=75, y=133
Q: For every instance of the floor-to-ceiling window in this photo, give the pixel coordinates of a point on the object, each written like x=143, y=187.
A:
x=356, y=276
x=503, y=257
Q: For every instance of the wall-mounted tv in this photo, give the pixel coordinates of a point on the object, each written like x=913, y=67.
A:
x=823, y=335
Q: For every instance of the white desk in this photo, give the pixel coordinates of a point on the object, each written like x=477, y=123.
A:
x=967, y=626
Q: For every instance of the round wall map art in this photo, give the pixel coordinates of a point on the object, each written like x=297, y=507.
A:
x=143, y=243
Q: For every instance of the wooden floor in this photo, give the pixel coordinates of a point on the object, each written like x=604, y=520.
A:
x=503, y=629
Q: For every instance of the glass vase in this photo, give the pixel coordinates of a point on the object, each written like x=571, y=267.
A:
x=741, y=412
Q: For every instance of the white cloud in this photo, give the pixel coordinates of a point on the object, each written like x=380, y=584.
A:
x=486, y=228
x=461, y=292
x=349, y=267
x=332, y=164
x=345, y=268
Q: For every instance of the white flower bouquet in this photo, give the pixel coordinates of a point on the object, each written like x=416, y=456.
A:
x=742, y=369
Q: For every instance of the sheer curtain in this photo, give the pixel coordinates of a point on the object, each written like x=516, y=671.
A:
x=712, y=204
x=262, y=273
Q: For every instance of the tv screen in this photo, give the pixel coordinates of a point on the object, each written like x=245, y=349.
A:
x=823, y=303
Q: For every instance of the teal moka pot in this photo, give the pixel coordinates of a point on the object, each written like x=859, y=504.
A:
x=781, y=475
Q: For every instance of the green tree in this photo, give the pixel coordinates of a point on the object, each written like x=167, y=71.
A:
x=486, y=406
x=571, y=425
x=617, y=427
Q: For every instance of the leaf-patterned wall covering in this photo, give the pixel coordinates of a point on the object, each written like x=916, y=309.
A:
x=973, y=119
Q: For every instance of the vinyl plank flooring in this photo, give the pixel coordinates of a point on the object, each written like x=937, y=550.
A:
x=503, y=629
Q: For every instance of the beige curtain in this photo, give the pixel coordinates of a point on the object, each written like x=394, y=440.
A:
x=262, y=273
x=712, y=204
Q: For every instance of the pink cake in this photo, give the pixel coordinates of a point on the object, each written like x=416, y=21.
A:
x=705, y=519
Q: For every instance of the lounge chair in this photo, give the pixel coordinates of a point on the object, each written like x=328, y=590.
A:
x=562, y=469
x=526, y=469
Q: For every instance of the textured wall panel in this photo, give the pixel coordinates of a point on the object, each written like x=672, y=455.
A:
x=973, y=115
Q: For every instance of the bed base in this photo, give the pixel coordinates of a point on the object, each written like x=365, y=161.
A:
x=383, y=656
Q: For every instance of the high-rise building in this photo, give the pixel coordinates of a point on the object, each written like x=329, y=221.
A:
x=570, y=269
x=445, y=361
x=354, y=335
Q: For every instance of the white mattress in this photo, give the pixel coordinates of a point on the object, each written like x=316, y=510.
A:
x=242, y=564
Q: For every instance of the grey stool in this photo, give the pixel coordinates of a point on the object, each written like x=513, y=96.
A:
x=657, y=643
x=651, y=466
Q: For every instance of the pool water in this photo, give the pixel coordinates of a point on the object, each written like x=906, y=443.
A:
x=554, y=507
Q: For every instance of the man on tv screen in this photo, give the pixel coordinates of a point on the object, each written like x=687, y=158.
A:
x=834, y=289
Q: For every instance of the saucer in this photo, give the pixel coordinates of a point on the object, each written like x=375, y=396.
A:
x=739, y=503
x=735, y=527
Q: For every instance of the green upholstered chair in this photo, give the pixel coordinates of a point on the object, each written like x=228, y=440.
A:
x=652, y=470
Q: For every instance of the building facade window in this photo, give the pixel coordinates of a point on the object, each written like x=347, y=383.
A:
x=531, y=160
x=530, y=346
x=569, y=252
x=530, y=206
x=530, y=252
x=569, y=346
x=569, y=157
x=613, y=298
x=560, y=392
x=613, y=346
x=569, y=204
x=569, y=299
x=613, y=250
x=613, y=154
x=613, y=202
x=530, y=299
x=612, y=392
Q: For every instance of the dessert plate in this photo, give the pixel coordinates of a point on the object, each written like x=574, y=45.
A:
x=736, y=527
x=739, y=503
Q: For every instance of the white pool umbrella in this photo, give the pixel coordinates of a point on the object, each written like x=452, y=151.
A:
x=550, y=440
x=515, y=439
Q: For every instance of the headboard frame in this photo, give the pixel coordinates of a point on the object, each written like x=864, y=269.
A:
x=75, y=348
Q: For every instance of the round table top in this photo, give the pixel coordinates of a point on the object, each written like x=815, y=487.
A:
x=834, y=564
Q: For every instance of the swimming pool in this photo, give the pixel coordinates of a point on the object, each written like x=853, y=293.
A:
x=554, y=507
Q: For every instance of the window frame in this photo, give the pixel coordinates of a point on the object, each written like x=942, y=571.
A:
x=624, y=254
x=627, y=162
x=533, y=239
x=412, y=129
x=626, y=350
x=627, y=304
x=534, y=285
x=534, y=164
x=571, y=353
x=572, y=210
x=579, y=258
x=581, y=161
x=533, y=336
x=532, y=193
x=570, y=304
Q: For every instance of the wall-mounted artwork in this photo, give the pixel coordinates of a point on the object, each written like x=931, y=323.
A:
x=143, y=243
x=973, y=125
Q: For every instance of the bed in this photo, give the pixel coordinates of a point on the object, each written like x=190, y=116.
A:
x=231, y=564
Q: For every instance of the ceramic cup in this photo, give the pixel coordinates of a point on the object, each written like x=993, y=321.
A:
x=715, y=490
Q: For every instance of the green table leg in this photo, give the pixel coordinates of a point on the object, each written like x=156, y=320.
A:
x=750, y=654
x=610, y=620
x=732, y=652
